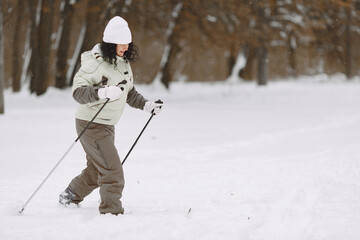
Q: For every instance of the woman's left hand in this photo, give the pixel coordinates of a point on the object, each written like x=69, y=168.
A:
x=153, y=107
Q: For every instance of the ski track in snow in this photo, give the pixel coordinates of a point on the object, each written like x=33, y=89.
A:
x=223, y=161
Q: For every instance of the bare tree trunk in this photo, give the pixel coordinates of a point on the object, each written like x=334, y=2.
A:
x=45, y=32
x=41, y=45
x=231, y=62
x=262, y=66
x=35, y=64
x=2, y=75
x=261, y=48
x=348, y=44
x=292, y=56
x=167, y=75
x=17, y=54
x=173, y=46
x=62, y=53
x=250, y=54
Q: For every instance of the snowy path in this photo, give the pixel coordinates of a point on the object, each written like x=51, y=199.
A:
x=274, y=163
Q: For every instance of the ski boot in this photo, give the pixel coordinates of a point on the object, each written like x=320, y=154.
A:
x=68, y=197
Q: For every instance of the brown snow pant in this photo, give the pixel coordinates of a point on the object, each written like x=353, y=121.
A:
x=103, y=169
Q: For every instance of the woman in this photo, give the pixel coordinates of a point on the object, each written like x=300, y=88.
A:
x=102, y=69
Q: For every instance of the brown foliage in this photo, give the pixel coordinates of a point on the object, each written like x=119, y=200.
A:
x=201, y=42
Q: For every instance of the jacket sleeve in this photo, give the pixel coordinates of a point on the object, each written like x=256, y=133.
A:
x=85, y=85
x=135, y=99
x=86, y=94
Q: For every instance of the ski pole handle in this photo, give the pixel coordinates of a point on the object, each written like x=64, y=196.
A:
x=158, y=101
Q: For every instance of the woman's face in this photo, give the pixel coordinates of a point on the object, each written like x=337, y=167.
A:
x=121, y=48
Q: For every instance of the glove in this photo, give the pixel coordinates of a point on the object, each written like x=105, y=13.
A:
x=111, y=92
x=153, y=107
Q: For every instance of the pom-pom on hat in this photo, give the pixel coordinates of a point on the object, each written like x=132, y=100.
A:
x=117, y=31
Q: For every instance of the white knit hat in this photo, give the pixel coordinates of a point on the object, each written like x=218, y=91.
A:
x=117, y=31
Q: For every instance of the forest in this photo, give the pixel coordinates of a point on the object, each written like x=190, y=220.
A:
x=41, y=41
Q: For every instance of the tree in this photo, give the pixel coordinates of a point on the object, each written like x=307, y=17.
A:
x=2, y=75
x=262, y=36
x=17, y=51
x=172, y=47
x=41, y=31
x=65, y=25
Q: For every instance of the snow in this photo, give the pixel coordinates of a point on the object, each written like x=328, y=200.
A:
x=239, y=64
x=211, y=18
x=222, y=161
x=38, y=13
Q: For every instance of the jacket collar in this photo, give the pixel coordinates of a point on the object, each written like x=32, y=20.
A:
x=96, y=51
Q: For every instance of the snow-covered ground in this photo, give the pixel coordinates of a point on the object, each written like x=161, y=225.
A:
x=224, y=161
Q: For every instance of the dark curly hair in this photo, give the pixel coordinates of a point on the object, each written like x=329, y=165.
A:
x=109, y=52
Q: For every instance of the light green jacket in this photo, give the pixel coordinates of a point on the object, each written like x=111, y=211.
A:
x=93, y=69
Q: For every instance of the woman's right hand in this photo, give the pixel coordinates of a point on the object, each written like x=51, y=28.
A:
x=110, y=92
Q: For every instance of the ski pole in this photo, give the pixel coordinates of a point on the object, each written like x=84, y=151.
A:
x=62, y=158
x=152, y=114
